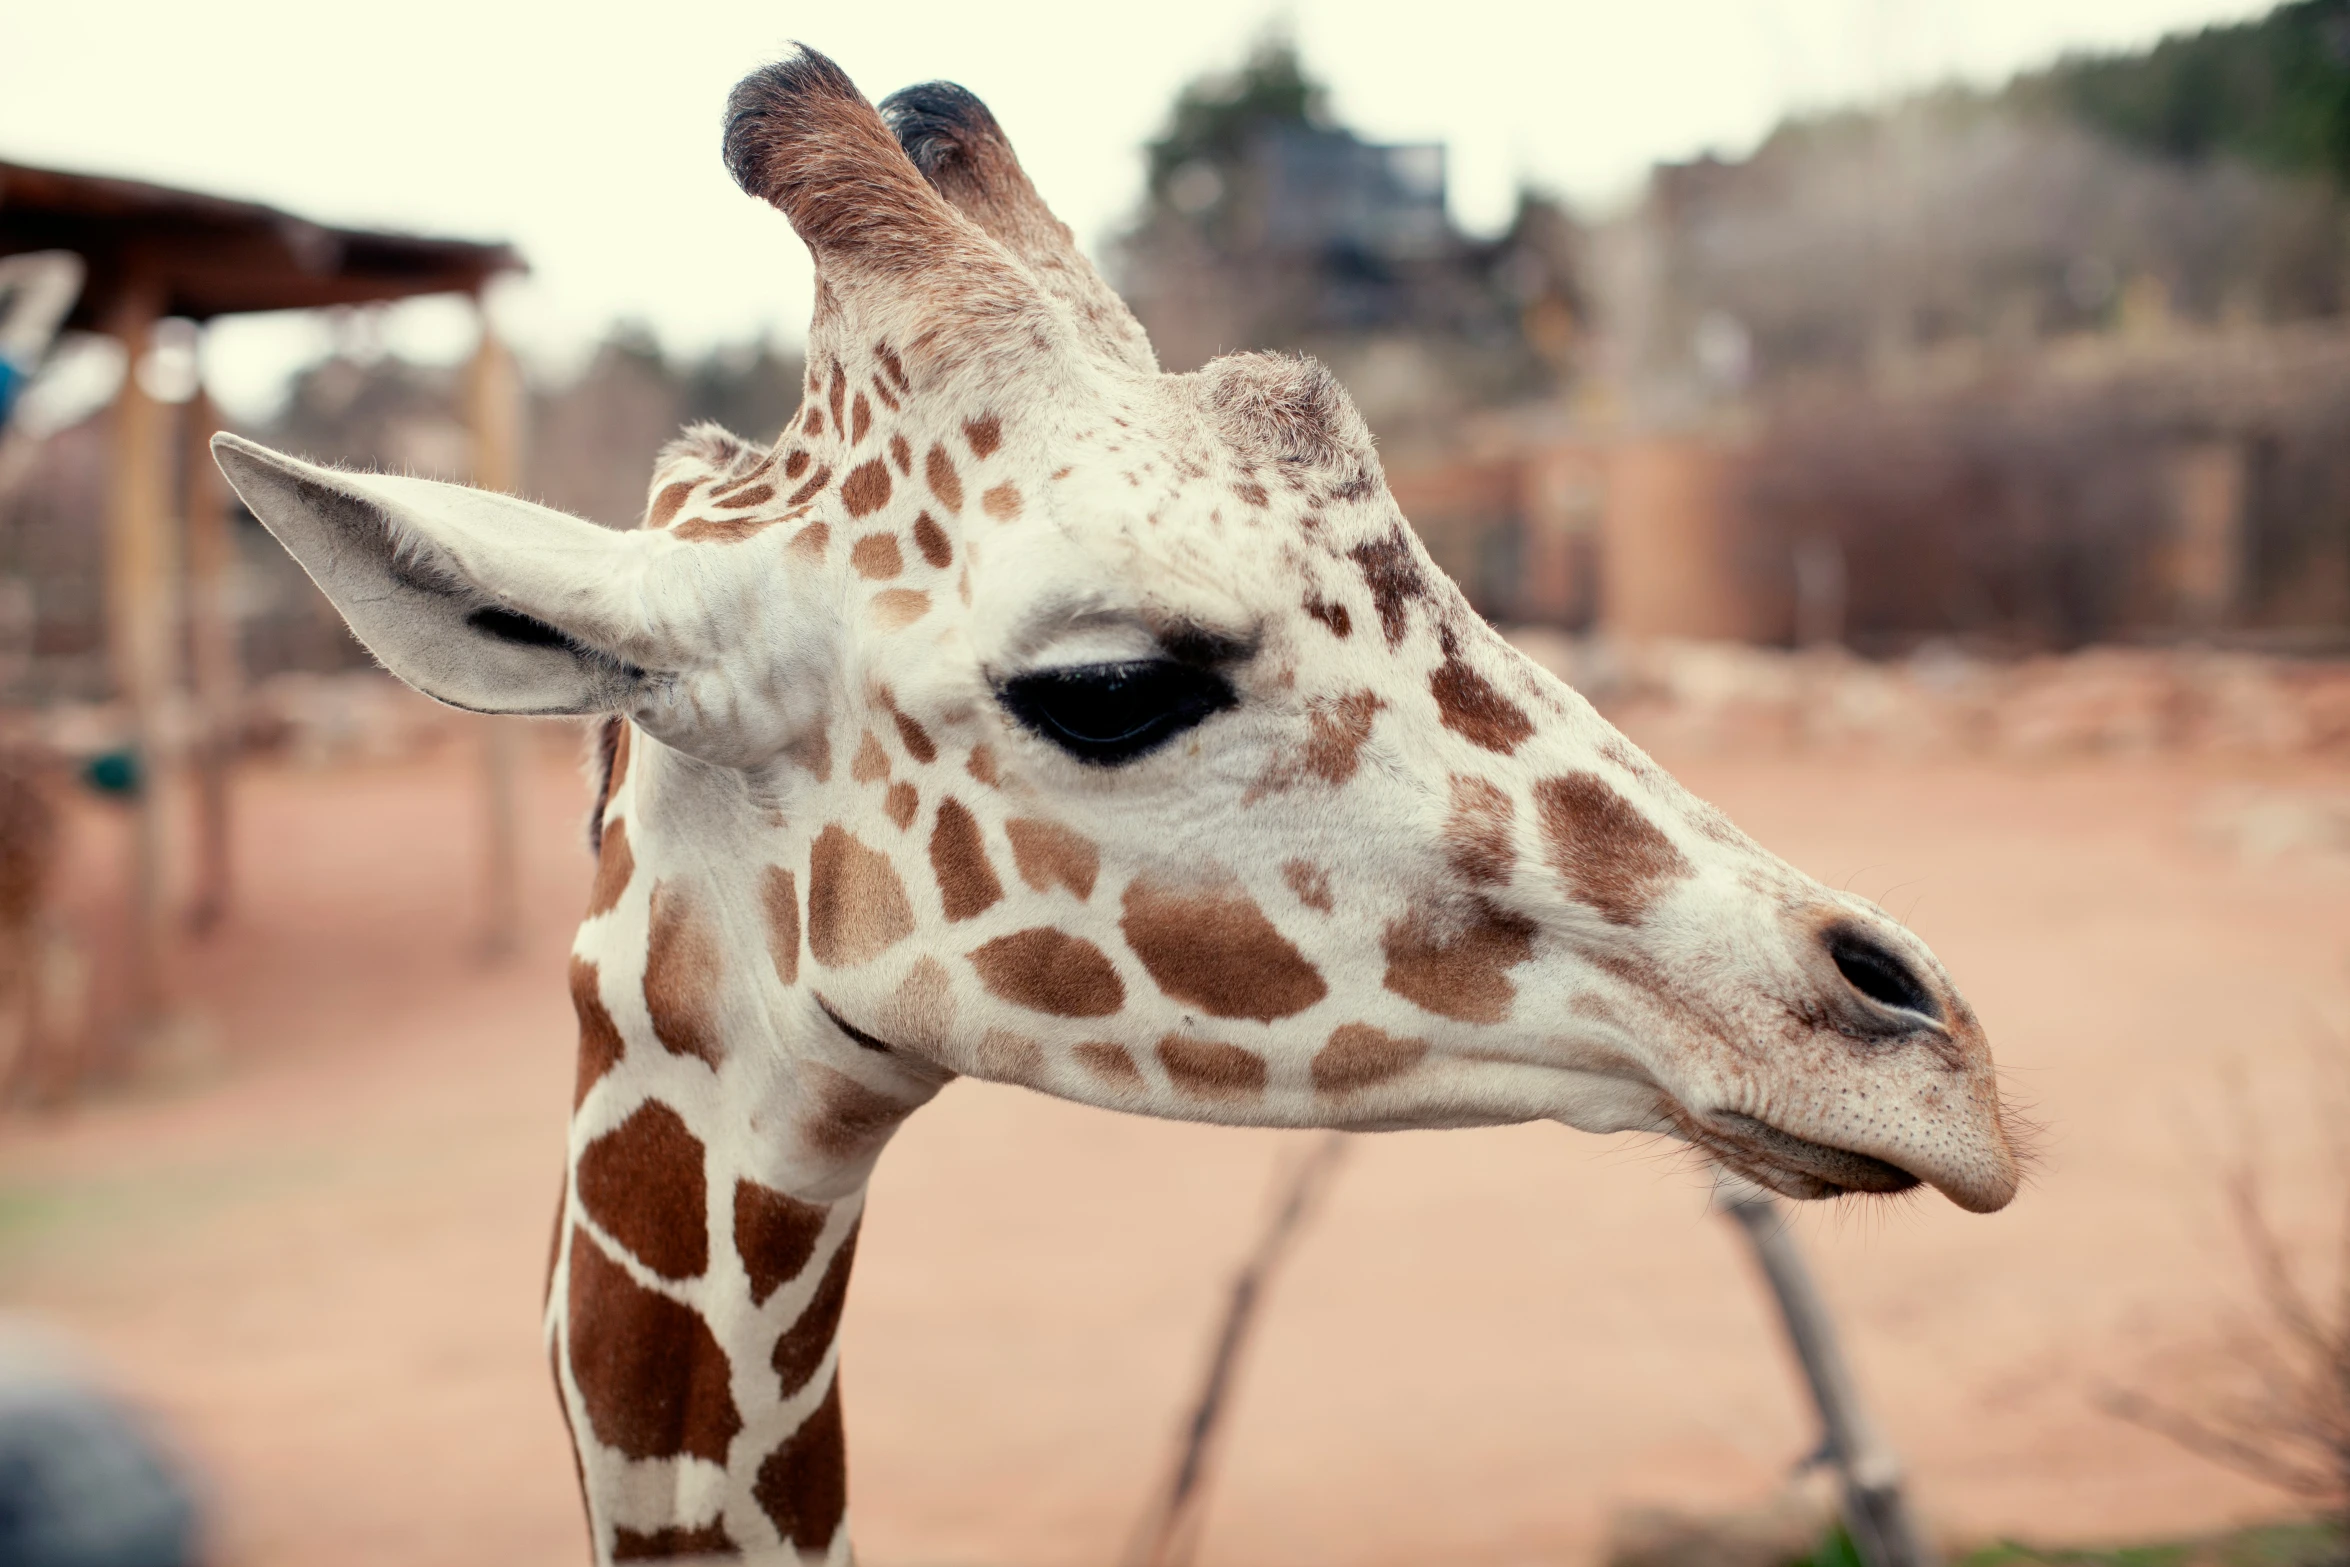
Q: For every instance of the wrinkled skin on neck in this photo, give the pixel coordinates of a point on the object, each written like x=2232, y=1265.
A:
x=1378, y=870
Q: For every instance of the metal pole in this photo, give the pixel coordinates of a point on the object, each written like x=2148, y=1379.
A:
x=1875, y=1511
x=140, y=634
x=496, y=414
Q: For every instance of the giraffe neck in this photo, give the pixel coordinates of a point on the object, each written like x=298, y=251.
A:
x=720, y=1142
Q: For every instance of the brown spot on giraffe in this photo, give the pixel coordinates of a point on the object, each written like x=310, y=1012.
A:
x=857, y=907
x=796, y=464
x=809, y=543
x=1049, y=855
x=1002, y=502
x=803, y=1486
x=866, y=489
x=876, y=556
x=901, y=803
x=779, y=896
x=1050, y=971
x=815, y=754
x=1109, y=1062
x=1358, y=1055
x=1331, y=614
x=1211, y=1069
x=984, y=434
x=1337, y=729
x=1252, y=492
x=1211, y=947
x=931, y=540
x=799, y=1352
x=1006, y=1057
x=871, y=763
x=642, y=1183
x=899, y=452
x=652, y=1379
x=623, y=745
x=1478, y=835
x=722, y=530
x=1612, y=857
x=837, y=396
x=672, y=1541
x=1461, y=972
x=967, y=884
x=1310, y=882
x=615, y=868
x=1712, y=824
x=681, y=975
x=892, y=366
x=938, y=471
x=911, y=735
x=894, y=609
x=745, y=499
x=810, y=485
x=921, y=1011
x=1471, y=707
x=860, y=418
x=1392, y=572
x=668, y=503
x=848, y=1120
x=813, y=420
x=775, y=1234
x=981, y=764
x=600, y=1045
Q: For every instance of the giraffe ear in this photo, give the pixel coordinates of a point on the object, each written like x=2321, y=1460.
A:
x=477, y=599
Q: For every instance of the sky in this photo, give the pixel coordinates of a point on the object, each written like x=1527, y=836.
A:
x=587, y=134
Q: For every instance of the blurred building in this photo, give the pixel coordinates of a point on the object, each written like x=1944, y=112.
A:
x=587, y=448
x=1967, y=369
x=1266, y=224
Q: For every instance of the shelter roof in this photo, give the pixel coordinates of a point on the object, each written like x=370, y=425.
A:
x=204, y=256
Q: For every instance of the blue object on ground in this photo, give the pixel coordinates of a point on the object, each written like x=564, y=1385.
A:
x=117, y=773
x=82, y=1486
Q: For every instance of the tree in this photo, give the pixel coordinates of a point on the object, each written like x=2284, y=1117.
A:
x=2274, y=91
x=1217, y=117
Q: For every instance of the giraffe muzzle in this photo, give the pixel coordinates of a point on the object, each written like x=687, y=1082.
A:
x=1876, y=1080
x=1796, y=1166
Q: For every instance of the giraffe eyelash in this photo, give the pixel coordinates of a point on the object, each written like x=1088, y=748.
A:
x=1108, y=714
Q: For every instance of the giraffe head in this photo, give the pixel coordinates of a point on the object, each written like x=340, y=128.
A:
x=1029, y=713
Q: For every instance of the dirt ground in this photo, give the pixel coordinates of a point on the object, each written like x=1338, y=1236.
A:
x=313, y=1248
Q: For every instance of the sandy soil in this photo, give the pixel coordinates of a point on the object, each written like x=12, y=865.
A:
x=317, y=1259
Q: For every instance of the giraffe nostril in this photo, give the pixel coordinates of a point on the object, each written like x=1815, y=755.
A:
x=1882, y=976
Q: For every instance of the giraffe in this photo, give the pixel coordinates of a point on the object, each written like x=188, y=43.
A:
x=1028, y=714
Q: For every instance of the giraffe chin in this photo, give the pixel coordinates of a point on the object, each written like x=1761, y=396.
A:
x=1789, y=1165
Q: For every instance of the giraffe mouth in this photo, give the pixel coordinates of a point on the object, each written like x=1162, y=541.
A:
x=1790, y=1165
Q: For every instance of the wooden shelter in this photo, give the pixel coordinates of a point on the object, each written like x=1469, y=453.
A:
x=154, y=253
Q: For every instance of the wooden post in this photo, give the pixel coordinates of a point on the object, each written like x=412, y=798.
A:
x=1876, y=1513
x=212, y=646
x=1168, y=1533
x=140, y=632
x=496, y=412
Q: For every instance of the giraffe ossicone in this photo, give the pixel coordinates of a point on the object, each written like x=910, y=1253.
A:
x=1029, y=714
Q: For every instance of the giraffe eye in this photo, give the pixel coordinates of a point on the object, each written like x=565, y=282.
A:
x=1106, y=714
